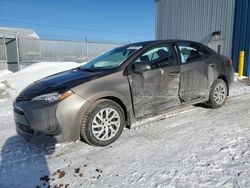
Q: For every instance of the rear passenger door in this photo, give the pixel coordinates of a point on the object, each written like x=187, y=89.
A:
x=194, y=83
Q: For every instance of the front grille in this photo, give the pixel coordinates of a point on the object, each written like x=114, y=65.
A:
x=23, y=98
x=25, y=128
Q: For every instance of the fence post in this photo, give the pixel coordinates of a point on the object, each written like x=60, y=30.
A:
x=5, y=53
x=40, y=51
x=87, y=48
x=17, y=51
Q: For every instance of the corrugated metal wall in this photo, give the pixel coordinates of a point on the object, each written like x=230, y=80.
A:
x=195, y=20
x=241, y=39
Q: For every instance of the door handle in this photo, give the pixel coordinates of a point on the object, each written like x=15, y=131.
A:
x=211, y=65
x=174, y=73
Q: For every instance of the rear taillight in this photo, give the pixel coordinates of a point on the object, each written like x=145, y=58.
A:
x=229, y=62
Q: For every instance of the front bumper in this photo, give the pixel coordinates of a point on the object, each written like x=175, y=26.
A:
x=40, y=122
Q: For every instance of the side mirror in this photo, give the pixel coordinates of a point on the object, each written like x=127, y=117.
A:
x=140, y=67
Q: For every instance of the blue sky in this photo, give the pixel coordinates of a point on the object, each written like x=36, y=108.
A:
x=99, y=20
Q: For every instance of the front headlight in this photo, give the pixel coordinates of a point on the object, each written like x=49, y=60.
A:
x=53, y=97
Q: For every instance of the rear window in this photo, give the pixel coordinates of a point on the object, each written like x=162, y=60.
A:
x=190, y=52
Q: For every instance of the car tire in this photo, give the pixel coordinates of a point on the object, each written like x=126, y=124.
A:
x=103, y=123
x=218, y=94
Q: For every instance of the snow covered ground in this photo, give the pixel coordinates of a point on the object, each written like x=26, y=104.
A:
x=194, y=147
x=4, y=73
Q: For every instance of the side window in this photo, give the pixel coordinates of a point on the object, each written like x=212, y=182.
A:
x=191, y=52
x=158, y=56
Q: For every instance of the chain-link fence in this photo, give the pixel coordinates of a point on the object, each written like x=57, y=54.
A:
x=32, y=50
x=3, y=57
x=26, y=50
x=2, y=51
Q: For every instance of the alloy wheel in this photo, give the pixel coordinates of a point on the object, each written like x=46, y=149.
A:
x=220, y=93
x=105, y=124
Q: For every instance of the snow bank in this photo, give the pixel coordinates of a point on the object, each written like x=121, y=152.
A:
x=15, y=82
x=4, y=73
x=239, y=78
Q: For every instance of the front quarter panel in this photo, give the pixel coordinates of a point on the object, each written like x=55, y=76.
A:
x=112, y=85
x=68, y=114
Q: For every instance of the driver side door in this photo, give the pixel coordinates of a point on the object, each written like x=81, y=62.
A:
x=156, y=89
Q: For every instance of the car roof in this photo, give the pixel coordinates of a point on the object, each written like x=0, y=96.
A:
x=152, y=42
x=155, y=42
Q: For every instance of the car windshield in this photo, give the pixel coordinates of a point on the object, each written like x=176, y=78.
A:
x=111, y=59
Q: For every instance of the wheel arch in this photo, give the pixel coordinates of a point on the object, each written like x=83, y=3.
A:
x=119, y=98
x=121, y=103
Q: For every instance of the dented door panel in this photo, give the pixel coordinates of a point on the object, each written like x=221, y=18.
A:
x=144, y=89
x=155, y=91
x=194, y=81
x=168, y=94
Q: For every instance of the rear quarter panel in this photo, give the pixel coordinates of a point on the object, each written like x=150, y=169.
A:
x=227, y=69
x=224, y=69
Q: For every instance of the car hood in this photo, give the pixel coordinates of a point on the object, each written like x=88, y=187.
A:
x=59, y=82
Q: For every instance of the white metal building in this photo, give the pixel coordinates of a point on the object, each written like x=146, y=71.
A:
x=9, y=46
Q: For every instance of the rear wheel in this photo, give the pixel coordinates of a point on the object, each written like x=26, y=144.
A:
x=218, y=93
x=103, y=124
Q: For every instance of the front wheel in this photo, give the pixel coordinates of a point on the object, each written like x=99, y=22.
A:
x=103, y=124
x=218, y=93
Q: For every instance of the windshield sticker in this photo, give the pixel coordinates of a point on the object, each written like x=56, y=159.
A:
x=134, y=47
